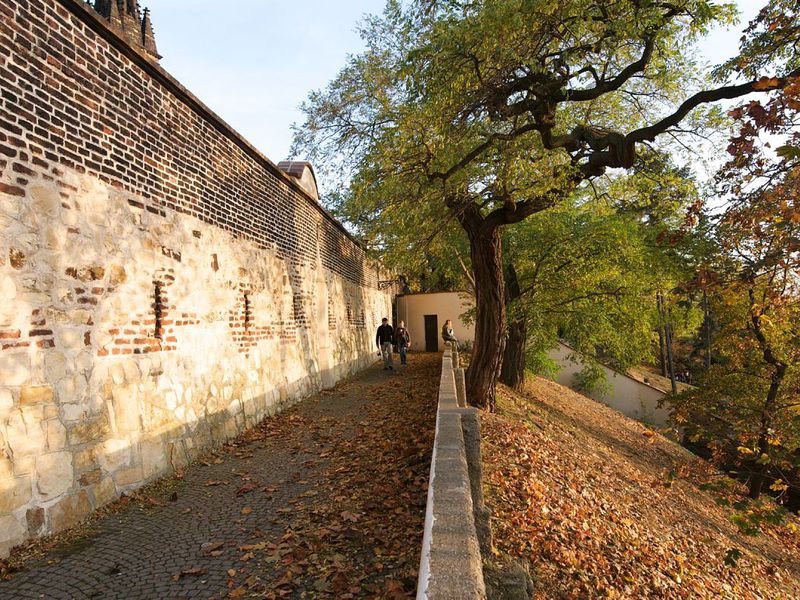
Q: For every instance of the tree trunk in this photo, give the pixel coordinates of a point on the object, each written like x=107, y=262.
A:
x=707, y=327
x=490, y=309
x=513, y=371
x=756, y=483
x=662, y=352
x=670, y=358
x=767, y=411
x=662, y=309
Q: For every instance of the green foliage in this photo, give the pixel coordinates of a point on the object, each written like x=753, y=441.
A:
x=591, y=380
x=433, y=115
x=587, y=274
x=539, y=363
x=732, y=557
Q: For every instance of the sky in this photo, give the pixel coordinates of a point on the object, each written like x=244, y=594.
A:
x=254, y=61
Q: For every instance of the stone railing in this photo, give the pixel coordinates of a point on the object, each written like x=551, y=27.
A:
x=456, y=522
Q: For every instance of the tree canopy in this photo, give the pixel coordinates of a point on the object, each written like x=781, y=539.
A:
x=484, y=112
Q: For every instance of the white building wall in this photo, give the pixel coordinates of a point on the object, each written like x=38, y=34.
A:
x=412, y=309
x=632, y=398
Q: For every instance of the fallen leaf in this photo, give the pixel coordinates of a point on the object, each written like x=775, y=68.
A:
x=194, y=571
x=210, y=547
x=246, y=489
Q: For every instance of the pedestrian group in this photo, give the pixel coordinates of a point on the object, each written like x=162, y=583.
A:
x=388, y=336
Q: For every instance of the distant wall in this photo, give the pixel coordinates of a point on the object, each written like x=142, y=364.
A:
x=162, y=284
x=412, y=309
x=629, y=396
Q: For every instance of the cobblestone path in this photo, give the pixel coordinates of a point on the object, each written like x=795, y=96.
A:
x=325, y=500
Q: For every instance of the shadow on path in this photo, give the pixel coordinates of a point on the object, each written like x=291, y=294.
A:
x=325, y=500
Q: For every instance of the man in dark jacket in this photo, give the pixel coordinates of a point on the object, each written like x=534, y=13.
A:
x=384, y=339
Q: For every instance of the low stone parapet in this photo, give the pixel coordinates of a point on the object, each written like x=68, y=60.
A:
x=451, y=565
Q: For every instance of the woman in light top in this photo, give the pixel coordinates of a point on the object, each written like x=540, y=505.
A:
x=448, y=335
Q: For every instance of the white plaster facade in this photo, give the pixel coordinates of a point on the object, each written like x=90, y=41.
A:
x=412, y=308
x=632, y=398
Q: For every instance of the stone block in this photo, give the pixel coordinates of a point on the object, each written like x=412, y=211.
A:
x=117, y=275
x=115, y=454
x=6, y=466
x=131, y=369
x=56, y=435
x=154, y=457
x=69, y=338
x=36, y=394
x=117, y=372
x=84, y=459
x=80, y=317
x=12, y=533
x=73, y=412
x=14, y=493
x=54, y=237
x=24, y=433
x=25, y=465
x=6, y=401
x=45, y=200
x=103, y=492
x=125, y=407
x=69, y=511
x=55, y=366
x=92, y=430
x=90, y=477
x=130, y=476
x=177, y=455
x=8, y=289
x=15, y=369
x=84, y=362
x=35, y=519
x=54, y=474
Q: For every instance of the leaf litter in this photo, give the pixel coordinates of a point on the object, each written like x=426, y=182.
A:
x=357, y=532
x=599, y=506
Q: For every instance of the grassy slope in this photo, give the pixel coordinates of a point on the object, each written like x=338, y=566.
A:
x=599, y=506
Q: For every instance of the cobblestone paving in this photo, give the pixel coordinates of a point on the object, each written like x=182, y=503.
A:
x=189, y=538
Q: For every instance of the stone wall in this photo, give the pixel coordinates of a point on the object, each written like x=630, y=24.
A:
x=457, y=534
x=162, y=284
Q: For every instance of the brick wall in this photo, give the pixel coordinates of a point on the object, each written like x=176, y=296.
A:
x=162, y=284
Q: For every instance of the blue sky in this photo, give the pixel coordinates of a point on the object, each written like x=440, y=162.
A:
x=254, y=61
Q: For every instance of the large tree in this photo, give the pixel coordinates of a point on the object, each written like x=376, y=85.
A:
x=485, y=112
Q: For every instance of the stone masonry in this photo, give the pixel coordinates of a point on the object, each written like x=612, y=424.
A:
x=162, y=284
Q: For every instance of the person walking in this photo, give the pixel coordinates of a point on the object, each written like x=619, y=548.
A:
x=448, y=335
x=384, y=339
x=402, y=340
